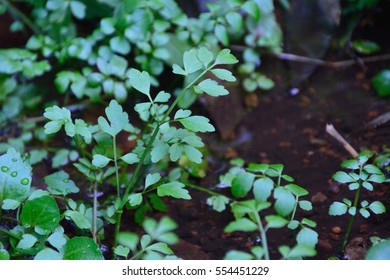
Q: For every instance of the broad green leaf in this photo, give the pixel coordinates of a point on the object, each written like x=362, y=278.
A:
x=121, y=251
x=300, y=251
x=222, y=34
x=57, y=240
x=162, y=97
x=225, y=57
x=364, y=212
x=107, y=25
x=15, y=177
x=224, y=75
x=337, y=209
x=161, y=248
x=152, y=179
x=305, y=205
x=238, y=255
x=197, y=124
x=59, y=184
x=176, y=69
x=380, y=251
x=381, y=83
x=307, y=236
x=180, y=114
x=176, y=151
x=78, y=9
x=128, y=239
x=48, y=254
x=191, y=61
x=274, y=221
x=140, y=81
x=27, y=242
x=135, y=199
x=262, y=188
x=212, y=88
x=82, y=248
x=42, y=212
x=293, y=225
x=193, y=154
x=372, y=169
x=159, y=151
x=368, y=186
x=285, y=201
x=242, y=184
x=377, y=178
x=130, y=158
x=205, y=56
x=342, y=177
x=297, y=190
x=174, y=189
x=119, y=120
x=243, y=224
x=377, y=207
x=79, y=219
x=119, y=44
x=365, y=46
x=351, y=164
x=252, y=8
x=100, y=161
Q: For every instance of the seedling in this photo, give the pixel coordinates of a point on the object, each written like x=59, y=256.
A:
x=361, y=176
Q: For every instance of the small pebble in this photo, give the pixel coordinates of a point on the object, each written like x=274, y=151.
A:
x=318, y=198
x=336, y=230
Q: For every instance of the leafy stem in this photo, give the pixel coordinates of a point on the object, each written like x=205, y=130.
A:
x=10, y=234
x=263, y=235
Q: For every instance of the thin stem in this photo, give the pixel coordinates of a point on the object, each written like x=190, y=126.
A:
x=118, y=193
x=94, y=214
x=21, y=16
x=263, y=235
x=199, y=188
x=295, y=208
x=10, y=234
x=351, y=220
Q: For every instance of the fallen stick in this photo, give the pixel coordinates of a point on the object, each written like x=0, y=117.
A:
x=334, y=133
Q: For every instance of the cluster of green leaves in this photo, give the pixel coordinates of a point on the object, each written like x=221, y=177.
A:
x=361, y=176
x=269, y=187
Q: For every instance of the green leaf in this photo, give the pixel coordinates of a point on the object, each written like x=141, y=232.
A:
x=368, y=186
x=285, y=201
x=262, y=188
x=193, y=154
x=48, y=254
x=212, y=88
x=82, y=248
x=130, y=158
x=224, y=75
x=79, y=219
x=162, y=97
x=161, y=248
x=15, y=177
x=121, y=251
x=381, y=83
x=305, y=205
x=222, y=34
x=300, y=251
x=364, y=212
x=377, y=178
x=351, y=164
x=119, y=44
x=119, y=120
x=243, y=224
x=159, y=151
x=27, y=242
x=180, y=114
x=152, y=179
x=57, y=240
x=107, y=25
x=377, y=207
x=41, y=212
x=372, y=169
x=176, y=69
x=343, y=177
x=380, y=251
x=307, y=236
x=274, y=221
x=59, y=184
x=238, y=255
x=191, y=62
x=174, y=189
x=252, y=8
x=205, y=56
x=135, y=199
x=225, y=57
x=337, y=209
x=78, y=9
x=365, y=46
x=218, y=202
x=297, y=190
x=242, y=184
x=100, y=161
x=128, y=239
x=197, y=124
x=140, y=81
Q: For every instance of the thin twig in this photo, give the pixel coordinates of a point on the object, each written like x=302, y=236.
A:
x=26, y=20
x=334, y=133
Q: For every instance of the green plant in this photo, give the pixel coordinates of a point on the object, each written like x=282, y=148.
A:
x=269, y=187
x=138, y=189
x=361, y=176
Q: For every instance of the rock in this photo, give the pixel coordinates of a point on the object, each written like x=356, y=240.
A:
x=324, y=244
x=336, y=230
x=356, y=249
x=318, y=198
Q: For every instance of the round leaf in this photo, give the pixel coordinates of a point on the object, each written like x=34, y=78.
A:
x=82, y=248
